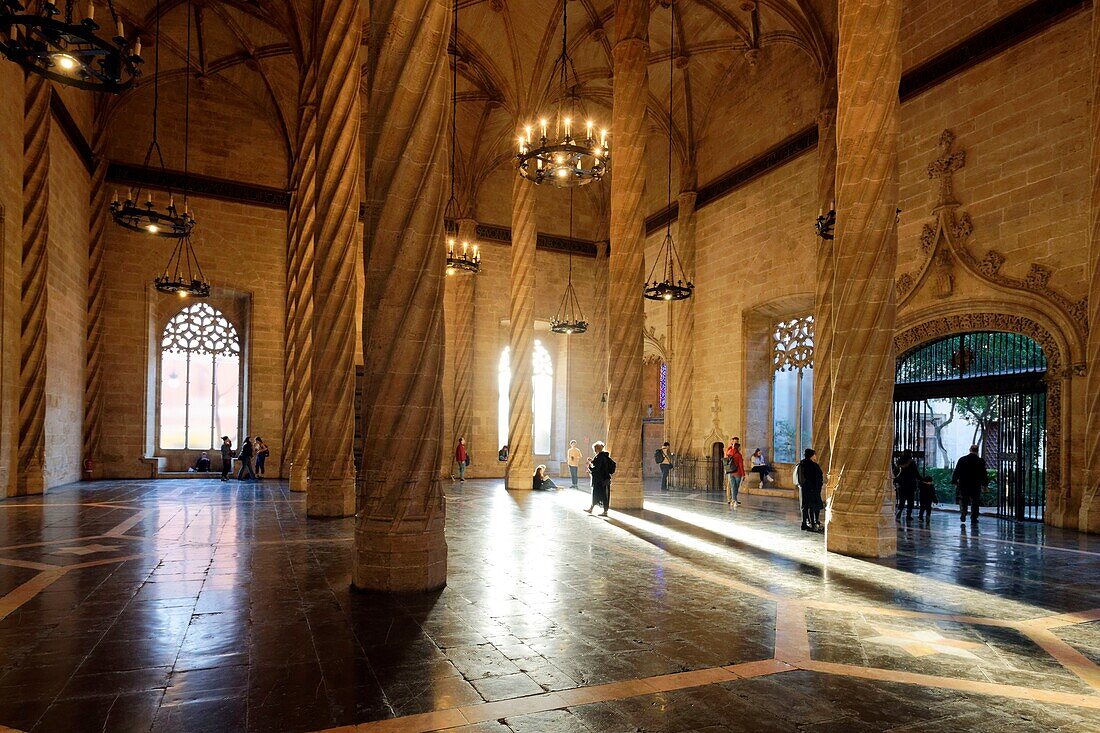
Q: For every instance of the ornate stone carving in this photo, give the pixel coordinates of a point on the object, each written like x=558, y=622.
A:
x=951, y=233
x=991, y=263
x=715, y=435
x=945, y=281
x=904, y=284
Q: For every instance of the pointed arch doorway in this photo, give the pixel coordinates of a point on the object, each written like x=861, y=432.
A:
x=986, y=388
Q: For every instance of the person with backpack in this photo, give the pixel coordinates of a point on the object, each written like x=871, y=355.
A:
x=735, y=472
x=602, y=468
x=663, y=457
x=245, y=457
x=262, y=452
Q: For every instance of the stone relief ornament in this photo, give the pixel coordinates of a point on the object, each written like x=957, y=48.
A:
x=945, y=244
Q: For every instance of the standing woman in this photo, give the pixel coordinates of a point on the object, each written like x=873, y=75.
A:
x=573, y=458
x=462, y=458
x=245, y=457
x=262, y=452
x=227, y=457
x=601, y=467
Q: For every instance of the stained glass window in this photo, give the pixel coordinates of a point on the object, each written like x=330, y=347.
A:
x=664, y=385
x=792, y=388
x=200, y=361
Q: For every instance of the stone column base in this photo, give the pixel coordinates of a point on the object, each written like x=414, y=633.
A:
x=518, y=483
x=330, y=497
x=626, y=496
x=299, y=476
x=860, y=535
x=1088, y=518
x=399, y=562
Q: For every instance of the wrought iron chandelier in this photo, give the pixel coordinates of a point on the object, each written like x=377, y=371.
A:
x=570, y=318
x=183, y=274
x=673, y=283
x=52, y=43
x=460, y=258
x=131, y=214
x=559, y=154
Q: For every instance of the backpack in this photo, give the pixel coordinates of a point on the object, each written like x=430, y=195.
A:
x=659, y=456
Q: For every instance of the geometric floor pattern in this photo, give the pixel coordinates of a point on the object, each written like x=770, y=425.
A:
x=195, y=605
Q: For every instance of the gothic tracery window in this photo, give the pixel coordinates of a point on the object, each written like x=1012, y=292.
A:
x=200, y=362
x=792, y=388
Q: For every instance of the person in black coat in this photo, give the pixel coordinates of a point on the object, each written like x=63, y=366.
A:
x=601, y=467
x=810, y=482
x=245, y=457
x=906, y=481
x=970, y=477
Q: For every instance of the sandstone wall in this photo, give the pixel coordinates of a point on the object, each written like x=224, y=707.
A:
x=11, y=226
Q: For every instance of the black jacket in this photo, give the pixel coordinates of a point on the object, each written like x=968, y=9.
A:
x=906, y=478
x=971, y=473
x=246, y=451
x=601, y=469
x=810, y=482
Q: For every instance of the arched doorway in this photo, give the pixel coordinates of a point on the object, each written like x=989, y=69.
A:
x=986, y=388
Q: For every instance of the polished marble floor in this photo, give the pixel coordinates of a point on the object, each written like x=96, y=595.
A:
x=196, y=606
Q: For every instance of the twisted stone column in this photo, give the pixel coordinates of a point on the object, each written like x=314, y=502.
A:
x=465, y=287
x=681, y=430
x=626, y=315
x=1089, y=518
x=598, y=330
x=399, y=540
x=521, y=338
x=823, y=297
x=30, y=478
x=93, y=370
x=331, y=490
x=864, y=309
x=301, y=228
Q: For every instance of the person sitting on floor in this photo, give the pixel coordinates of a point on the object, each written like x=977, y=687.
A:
x=540, y=481
x=202, y=463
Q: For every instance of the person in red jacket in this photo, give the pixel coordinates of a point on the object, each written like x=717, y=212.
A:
x=462, y=458
x=735, y=471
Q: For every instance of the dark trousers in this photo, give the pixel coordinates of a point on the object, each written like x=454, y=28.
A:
x=227, y=466
x=666, y=468
x=246, y=466
x=905, y=501
x=971, y=499
x=925, y=507
x=809, y=518
x=601, y=494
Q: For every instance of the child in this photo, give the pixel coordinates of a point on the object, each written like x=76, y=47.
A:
x=927, y=496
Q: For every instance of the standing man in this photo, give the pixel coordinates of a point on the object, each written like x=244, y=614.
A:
x=735, y=471
x=573, y=458
x=664, y=460
x=970, y=477
x=245, y=457
x=601, y=467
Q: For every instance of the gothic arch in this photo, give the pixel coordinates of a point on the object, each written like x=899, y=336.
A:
x=1055, y=350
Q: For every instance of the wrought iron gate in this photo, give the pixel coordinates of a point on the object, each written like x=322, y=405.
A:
x=997, y=382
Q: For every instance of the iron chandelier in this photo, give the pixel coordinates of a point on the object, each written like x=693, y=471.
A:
x=183, y=274
x=464, y=259
x=52, y=43
x=570, y=318
x=674, y=283
x=147, y=218
x=559, y=154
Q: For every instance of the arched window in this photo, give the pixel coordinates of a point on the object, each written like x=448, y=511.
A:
x=792, y=388
x=200, y=369
x=542, y=383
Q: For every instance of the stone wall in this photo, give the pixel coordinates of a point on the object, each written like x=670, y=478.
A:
x=242, y=251
x=66, y=311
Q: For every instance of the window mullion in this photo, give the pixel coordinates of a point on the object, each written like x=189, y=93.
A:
x=187, y=402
